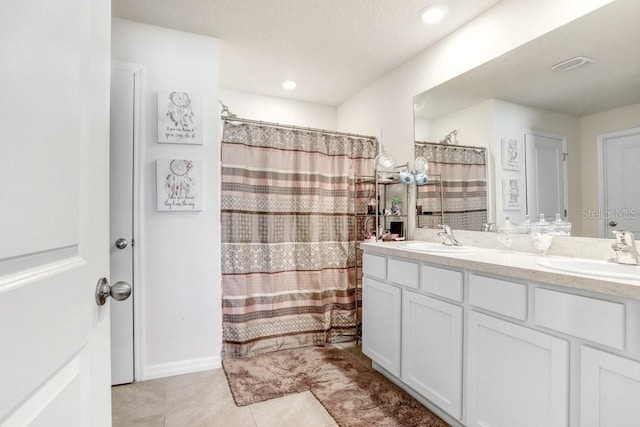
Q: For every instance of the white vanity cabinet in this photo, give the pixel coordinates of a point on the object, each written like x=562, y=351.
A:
x=516, y=376
x=609, y=390
x=413, y=336
x=381, y=316
x=493, y=350
x=432, y=350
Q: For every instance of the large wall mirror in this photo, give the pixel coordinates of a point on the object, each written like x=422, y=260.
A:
x=557, y=141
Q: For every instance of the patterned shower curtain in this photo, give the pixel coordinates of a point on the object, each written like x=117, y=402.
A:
x=288, y=237
x=464, y=182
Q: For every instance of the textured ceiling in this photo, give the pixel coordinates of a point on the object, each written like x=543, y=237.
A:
x=331, y=48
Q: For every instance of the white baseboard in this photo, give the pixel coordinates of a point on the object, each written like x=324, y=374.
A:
x=181, y=367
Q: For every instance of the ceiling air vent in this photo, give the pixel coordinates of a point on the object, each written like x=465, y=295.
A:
x=571, y=64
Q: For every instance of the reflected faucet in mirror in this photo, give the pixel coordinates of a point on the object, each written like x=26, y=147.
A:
x=489, y=226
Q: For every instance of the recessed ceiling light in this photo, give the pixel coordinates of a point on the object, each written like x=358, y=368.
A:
x=433, y=13
x=289, y=84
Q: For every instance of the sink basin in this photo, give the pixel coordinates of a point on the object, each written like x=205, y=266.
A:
x=592, y=267
x=434, y=247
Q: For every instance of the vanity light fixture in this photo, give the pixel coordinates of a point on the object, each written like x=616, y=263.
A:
x=289, y=84
x=571, y=64
x=433, y=13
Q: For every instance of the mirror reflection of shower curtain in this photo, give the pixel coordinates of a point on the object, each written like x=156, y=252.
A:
x=288, y=238
x=464, y=181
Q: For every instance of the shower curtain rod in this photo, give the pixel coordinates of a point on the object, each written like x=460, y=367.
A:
x=471, y=147
x=232, y=118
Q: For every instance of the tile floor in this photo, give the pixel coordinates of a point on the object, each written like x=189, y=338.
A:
x=204, y=399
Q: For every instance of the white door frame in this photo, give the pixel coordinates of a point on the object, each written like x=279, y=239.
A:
x=139, y=351
x=601, y=169
x=565, y=151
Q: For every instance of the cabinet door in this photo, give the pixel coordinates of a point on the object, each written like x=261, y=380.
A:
x=432, y=350
x=516, y=376
x=381, y=324
x=609, y=390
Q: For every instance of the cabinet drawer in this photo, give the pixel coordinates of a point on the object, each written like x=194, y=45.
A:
x=595, y=320
x=374, y=266
x=499, y=296
x=403, y=273
x=441, y=282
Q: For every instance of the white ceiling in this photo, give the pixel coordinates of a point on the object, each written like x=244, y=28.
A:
x=608, y=35
x=331, y=48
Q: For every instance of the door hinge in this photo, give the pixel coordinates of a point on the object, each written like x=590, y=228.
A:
x=564, y=156
x=565, y=213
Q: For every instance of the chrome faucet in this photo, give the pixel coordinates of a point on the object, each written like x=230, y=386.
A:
x=625, y=248
x=447, y=236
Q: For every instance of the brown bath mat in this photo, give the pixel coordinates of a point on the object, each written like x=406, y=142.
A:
x=267, y=376
x=370, y=399
x=354, y=395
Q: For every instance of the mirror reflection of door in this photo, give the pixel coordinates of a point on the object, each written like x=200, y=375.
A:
x=546, y=171
x=619, y=182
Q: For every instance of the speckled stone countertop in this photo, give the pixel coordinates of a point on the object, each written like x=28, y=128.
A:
x=510, y=264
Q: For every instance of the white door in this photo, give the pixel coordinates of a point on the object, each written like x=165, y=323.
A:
x=609, y=390
x=432, y=350
x=381, y=318
x=545, y=165
x=620, y=192
x=515, y=376
x=125, y=81
x=54, y=116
